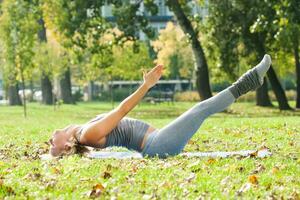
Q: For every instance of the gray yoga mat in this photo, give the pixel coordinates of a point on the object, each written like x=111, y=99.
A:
x=262, y=153
x=221, y=154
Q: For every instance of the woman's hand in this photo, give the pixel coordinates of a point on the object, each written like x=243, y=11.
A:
x=151, y=77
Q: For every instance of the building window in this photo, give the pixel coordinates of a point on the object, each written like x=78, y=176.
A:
x=162, y=10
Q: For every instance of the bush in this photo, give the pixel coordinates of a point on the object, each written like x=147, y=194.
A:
x=216, y=87
x=187, y=96
x=118, y=94
x=289, y=84
x=77, y=95
x=121, y=93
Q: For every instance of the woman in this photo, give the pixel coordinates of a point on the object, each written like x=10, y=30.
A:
x=114, y=129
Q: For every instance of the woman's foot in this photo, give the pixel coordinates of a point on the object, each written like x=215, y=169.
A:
x=263, y=67
x=252, y=79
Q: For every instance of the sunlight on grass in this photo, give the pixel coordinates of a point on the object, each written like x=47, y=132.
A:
x=243, y=126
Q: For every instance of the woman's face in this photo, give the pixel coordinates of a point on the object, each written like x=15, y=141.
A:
x=60, y=140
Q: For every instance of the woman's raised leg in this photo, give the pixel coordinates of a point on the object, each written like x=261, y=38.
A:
x=171, y=139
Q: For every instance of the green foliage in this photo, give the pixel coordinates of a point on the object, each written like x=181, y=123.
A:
x=128, y=64
x=174, y=51
x=284, y=23
x=47, y=60
x=18, y=34
x=282, y=19
x=130, y=21
x=81, y=29
x=69, y=18
x=242, y=31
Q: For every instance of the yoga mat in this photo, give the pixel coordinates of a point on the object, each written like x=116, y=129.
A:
x=262, y=153
x=221, y=154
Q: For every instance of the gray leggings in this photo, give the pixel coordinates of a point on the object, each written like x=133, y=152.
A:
x=171, y=139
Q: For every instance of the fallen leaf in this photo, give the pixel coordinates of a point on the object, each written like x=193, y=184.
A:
x=106, y=175
x=108, y=167
x=211, y=161
x=253, y=154
x=258, y=169
x=55, y=170
x=96, y=191
x=134, y=169
x=241, y=169
x=227, y=131
x=253, y=179
x=294, y=195
x=165, y=184
x=32, y=176
x=191, y=142
x=50, y=184
x=275, y=170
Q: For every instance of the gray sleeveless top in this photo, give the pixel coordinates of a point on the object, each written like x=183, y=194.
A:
x=128, y=133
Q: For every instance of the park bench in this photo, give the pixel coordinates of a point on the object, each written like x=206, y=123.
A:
x=162, y=96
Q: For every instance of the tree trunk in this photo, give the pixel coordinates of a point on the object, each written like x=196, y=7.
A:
x=297, y=64
x=47, y=95
x=65, y=87
x=278, y=90
x=13, y=95
x=91, y=92
x=262, y=96
x=274, y=81
x=42, y=31
x=46, y=85
x=24, y=96
x=202, y=79
x=31, y=86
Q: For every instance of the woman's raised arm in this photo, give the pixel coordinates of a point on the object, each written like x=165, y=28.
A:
x=93, y=132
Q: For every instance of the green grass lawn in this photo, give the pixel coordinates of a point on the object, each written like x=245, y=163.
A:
x=23, y=175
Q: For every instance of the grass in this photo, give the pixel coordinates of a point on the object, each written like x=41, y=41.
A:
x=23, y=175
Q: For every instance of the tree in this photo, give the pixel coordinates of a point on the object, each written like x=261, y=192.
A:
x=79, y=27
x=173, y=50
x=128, y=64
x=266, y=36
x=185, y=23
x=19, y=32
x=46, y=85
x=234, y=20
x=69, y=15
x=93, y=58
x=62, y=16
x=287, y=27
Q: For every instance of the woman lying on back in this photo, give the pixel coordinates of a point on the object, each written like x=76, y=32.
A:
x=115, y=129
